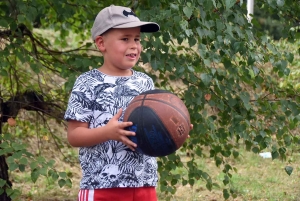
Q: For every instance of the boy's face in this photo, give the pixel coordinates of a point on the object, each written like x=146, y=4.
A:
x=121, y=49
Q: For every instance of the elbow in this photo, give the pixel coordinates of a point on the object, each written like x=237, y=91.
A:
x=72, y=141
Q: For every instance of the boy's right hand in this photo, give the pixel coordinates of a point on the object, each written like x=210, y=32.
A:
x=118, y=132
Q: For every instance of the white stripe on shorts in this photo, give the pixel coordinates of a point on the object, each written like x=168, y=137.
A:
x=86, y=195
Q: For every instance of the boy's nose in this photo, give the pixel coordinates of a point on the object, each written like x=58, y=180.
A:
x=134, y=45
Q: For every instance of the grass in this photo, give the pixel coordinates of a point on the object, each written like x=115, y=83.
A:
x=256, y=179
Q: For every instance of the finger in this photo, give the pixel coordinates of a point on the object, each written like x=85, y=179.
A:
x=128, y=133
x=125, y=124
x=118, y=115
x=131, y=148
x=131, y=145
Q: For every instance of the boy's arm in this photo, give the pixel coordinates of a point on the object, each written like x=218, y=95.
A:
x=80, y=135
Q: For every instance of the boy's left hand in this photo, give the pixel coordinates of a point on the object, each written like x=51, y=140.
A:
x=191, y=128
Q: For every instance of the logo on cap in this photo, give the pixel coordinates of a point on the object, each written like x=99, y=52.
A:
x=126, y=13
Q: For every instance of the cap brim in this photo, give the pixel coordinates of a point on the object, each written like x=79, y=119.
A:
x=145, y=26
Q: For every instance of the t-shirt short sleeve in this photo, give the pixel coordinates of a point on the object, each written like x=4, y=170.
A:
x=80, y=102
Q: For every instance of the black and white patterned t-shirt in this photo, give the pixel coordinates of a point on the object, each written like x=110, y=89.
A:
x=96, y=98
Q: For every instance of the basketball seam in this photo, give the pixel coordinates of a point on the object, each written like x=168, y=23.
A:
x=142, y=100
x=185, y=117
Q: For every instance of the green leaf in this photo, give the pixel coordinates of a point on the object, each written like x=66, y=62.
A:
x=69, y=183
x=218, y=161
x=3, y=73
x=51, y=163
x=33, y=165
x=13, y=166
x=226, y=180
x=174, y=182
x=206, y=78
x=61, y=182
x=229, y=3
x=4, y=23
x=294, y=108
x=289, y=170
x=23, y=161
x=287, y=140
x=192, y=41
x=255, y=150
x=22, y=19
x=209, y=186
x=18, y=147
x=62, y=174
x=184, y=182
x=22, y=167
x=2, y=183
x=235, y=154
x=226, y=194
x=280, y=3
x=43, y=171
x=246, y=99
x=4, y=145
x=35, y=67
x=282, y=151
x=248, y=145
x=231, y=101
x=54, y=175
x=154, y=64
x=40, y=159
x=275, y=154
x=290, y=57
x=188, y=12
x=35, y=175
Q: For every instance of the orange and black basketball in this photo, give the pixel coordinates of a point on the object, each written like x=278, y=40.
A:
x=161, y=122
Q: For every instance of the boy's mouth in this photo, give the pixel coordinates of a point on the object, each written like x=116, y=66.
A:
x=131, y=55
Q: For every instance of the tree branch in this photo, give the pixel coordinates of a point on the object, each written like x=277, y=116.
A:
x=31, y=101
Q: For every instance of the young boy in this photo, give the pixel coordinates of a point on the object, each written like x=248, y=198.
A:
x=111, y=169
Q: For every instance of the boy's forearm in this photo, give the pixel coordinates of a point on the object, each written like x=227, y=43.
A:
x=86, y=137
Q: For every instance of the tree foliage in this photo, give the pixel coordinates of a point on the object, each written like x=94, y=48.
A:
x=275, y=23
x=228, y=69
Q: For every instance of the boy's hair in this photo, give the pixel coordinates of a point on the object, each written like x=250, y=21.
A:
x=119, y=17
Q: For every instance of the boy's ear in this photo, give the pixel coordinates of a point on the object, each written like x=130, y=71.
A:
x=100, y=43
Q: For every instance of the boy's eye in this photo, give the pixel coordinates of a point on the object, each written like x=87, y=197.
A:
x=125, y=39
x=137, y=39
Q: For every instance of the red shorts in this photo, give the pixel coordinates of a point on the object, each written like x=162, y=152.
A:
x=118, y=194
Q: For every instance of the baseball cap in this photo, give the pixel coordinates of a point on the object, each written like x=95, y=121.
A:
x=119, y=17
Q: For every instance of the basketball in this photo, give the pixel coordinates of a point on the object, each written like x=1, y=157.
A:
x=160, y=120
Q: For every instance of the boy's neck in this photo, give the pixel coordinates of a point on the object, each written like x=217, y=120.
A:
x=121, y=73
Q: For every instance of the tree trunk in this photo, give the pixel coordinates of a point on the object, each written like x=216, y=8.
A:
x=4, y=176
x=3, y=165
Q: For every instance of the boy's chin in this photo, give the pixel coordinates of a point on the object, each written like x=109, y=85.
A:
x=125, y=68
